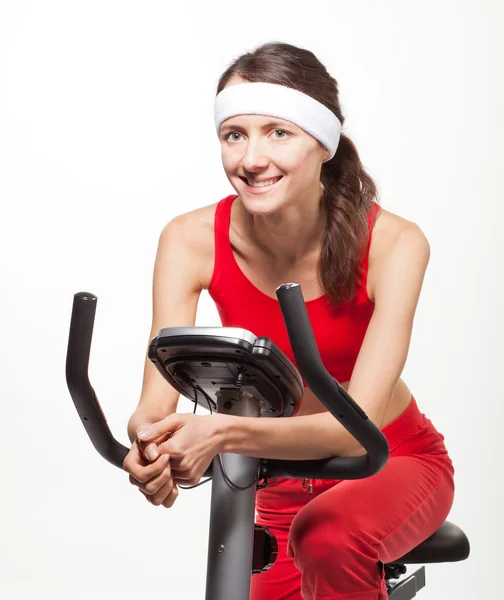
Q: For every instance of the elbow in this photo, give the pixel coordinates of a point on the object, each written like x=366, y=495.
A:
x=360, y=451
x=351, y=447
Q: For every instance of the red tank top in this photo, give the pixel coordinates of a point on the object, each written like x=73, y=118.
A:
x=338, y=329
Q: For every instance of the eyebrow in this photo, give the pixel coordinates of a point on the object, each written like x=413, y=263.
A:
x=234, y=127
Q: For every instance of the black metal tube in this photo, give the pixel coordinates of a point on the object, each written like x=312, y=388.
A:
x=81, y=391
x=232, y=511
x=331, y=394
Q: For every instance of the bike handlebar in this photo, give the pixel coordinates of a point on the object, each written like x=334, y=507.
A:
x=334, y=397
x=81, y=390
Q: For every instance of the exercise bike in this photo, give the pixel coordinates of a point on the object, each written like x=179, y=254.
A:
x=230, y=370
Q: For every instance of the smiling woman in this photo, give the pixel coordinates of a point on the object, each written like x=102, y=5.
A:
x=305, y=210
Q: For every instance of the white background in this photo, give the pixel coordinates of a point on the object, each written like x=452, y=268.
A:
x=106, y=133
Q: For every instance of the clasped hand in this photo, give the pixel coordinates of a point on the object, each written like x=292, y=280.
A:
x=192, y=444
x=180, y=449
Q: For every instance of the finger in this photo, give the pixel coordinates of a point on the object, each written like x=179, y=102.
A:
x=151, y=450
x=152, y=486
x=137, y=465
x=170, y=447
x=133, y=457
x=143, y=474
x=172, y=496
x=137, y=455
x=164, y=491
x=155, y=430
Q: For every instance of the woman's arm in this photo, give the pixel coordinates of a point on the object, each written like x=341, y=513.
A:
x=398, y=281
x=176, y=290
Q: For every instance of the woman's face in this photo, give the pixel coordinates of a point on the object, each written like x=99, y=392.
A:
x=258, y=148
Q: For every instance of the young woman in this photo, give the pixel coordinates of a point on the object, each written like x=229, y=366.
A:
x=304, y=210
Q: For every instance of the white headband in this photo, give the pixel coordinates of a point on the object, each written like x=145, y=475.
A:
x=258, y=98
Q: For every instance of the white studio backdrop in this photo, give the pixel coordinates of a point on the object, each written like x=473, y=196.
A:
x=106, y=133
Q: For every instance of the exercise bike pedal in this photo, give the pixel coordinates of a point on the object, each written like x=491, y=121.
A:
x=265, y=549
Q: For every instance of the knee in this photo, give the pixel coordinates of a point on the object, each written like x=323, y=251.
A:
x=315, y=534
x=326, y=537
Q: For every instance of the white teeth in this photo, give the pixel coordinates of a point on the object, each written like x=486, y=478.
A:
x=263, y=183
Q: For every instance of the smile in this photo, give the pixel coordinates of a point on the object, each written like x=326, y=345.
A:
x=263, y=186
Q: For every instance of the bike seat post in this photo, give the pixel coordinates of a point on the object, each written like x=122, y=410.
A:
x=232, y=511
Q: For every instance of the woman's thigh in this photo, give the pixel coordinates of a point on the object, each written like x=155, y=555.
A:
x=392, y=511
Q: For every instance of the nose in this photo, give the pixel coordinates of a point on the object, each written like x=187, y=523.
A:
x=255, y=157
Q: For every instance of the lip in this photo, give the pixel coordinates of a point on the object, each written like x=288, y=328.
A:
x=260, y=190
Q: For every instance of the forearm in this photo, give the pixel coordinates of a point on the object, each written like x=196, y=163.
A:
x=308, y=437
x=158, y=399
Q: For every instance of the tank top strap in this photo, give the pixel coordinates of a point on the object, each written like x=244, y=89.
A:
x=224, y=263
x=372, y=213
x=223, y=219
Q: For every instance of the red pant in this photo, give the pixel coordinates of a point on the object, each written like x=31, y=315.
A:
x=330, y=540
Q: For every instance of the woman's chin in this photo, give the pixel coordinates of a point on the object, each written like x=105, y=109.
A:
x=258, y=205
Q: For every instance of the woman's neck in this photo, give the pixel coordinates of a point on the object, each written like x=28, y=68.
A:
x=288, y=235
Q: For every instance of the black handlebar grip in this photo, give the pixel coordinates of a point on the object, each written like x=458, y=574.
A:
x=330, y=392
x=81, y=391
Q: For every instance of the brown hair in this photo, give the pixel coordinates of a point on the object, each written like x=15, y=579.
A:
x=349, y=191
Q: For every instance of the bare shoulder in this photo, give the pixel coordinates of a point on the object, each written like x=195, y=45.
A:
x=391, y=234
x=389, y=227
x=193, y=233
